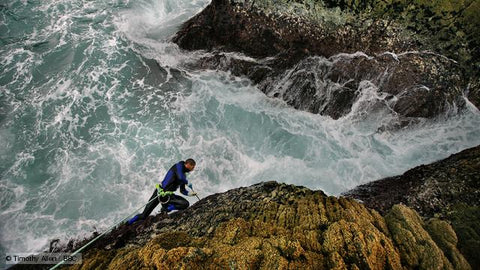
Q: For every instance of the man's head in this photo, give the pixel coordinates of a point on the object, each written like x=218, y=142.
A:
x=190, y=164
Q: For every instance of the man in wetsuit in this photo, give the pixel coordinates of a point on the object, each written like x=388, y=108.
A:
x=174, y=179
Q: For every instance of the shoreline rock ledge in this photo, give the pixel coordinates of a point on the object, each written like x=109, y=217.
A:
x=324, y=56
x=279, y=226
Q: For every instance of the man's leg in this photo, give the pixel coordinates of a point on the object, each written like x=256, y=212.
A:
x=148, y=209
x=150, y=206
x=176, y=203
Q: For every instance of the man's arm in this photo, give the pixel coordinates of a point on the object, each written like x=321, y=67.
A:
x=181, y=174
x=183, y=190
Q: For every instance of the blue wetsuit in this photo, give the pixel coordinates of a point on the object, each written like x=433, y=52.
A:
x=174, y=179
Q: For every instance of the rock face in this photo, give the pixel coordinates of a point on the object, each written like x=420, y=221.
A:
x=307, y=55
x=422, y=245
x=448, y=189
x=278, y=226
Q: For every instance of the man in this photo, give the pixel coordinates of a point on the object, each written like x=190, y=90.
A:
x=174, y=179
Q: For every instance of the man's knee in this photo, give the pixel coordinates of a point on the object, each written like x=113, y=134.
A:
x=183, y=204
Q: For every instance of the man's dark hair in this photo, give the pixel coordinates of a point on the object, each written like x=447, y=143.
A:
x=190, y=161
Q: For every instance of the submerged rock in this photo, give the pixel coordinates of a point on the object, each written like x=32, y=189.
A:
x=308, y=55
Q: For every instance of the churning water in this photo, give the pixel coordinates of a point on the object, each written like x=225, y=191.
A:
x=96, y=104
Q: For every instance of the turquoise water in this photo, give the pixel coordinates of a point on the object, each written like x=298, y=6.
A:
x=96, y=104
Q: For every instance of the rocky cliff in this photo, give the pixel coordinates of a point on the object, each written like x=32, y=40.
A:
x=420, y=58
x=448, y=189
x=278, y=226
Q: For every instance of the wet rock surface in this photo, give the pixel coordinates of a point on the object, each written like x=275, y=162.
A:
x=278, y=226
x=432, y=189
x=448, y=189
x=314, y=65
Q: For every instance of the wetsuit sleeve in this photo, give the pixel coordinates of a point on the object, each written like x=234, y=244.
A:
x=183, y=190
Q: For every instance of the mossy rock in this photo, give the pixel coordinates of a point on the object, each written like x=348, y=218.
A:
x=466, y=223
x=417, y=248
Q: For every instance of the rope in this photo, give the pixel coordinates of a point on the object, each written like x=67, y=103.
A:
x=96, y=238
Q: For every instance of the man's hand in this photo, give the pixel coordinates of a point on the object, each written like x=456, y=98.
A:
x=192, y=193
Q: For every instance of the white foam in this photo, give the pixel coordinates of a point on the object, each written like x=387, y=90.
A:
x=471, y=107
x=343, y=56
x=151, y=24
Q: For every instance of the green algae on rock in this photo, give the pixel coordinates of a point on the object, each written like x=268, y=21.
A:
x=447, y=189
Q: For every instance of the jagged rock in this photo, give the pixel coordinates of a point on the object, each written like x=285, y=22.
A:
x=434, y=189
x=466, y=223
x=417, y=249
x=449, y=189
x=311, y=61
x=446, y=239
x=279, y=226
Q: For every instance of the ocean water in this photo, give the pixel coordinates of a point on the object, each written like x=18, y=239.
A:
x=96, y=104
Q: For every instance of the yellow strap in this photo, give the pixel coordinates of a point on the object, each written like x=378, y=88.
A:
x=161, y=192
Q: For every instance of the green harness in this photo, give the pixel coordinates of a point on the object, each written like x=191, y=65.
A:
x=162, y=193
